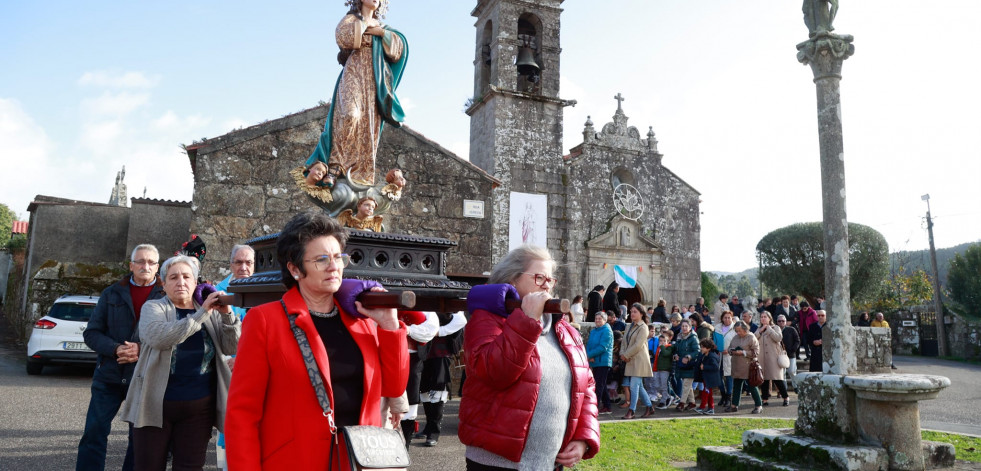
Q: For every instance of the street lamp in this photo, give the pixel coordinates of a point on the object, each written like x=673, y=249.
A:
x=937, y=302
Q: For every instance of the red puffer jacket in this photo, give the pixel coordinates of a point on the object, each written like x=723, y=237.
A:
x=503, y=374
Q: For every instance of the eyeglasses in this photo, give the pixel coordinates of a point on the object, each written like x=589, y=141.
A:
x=542, y=280
x=323, y=261
x=149, y=263
x=781, y=320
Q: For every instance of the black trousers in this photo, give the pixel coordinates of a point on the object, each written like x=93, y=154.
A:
x=781, y=387
x=185, y=433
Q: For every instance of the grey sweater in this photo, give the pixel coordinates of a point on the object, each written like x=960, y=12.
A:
x=551, y=416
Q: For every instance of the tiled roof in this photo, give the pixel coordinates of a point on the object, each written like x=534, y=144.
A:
x=20, y=227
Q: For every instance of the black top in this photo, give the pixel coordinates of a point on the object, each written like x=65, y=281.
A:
x=346, y=369
x=192, y=366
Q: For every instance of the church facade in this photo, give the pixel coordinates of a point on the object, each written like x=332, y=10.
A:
x=607, y=206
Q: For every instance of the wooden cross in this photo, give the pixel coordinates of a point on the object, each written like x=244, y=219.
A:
x=619, y=98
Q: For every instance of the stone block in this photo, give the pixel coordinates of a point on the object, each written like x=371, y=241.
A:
x=938, y=454
x=825, y=409
x=783, y=445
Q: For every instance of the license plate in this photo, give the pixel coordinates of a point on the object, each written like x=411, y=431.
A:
x=76, y=346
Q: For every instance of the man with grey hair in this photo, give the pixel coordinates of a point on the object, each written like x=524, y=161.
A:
x=112, y=333
x=242, y=265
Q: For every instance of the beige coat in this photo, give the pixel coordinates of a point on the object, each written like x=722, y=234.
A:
x=160, y=332
x=771, y=344
x=634, y=348
x=740, y=364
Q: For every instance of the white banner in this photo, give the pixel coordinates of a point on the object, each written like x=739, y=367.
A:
x=625, y=276
x=528, y=222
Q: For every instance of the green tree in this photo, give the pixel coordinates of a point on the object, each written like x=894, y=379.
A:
x=744, y=289
x=964, y=279
x=792, y=260
x=710, y=291
x=7, y=218
x=901, y=290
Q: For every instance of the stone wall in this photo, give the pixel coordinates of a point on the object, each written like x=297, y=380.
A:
x=963, y=334
x=53, y=280
x=6, y=265
x=873, y=349
x=965, y=338
x=165, y=224
x=75, y=231
x=242, y=188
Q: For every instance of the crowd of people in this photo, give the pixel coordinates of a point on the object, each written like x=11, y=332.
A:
x=693, y=352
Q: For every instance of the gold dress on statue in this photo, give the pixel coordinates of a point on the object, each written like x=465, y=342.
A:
x=357, y=122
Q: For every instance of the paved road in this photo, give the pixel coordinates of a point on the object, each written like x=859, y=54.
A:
x=41, y=417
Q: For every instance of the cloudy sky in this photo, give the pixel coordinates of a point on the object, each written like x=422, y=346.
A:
x=87, y=87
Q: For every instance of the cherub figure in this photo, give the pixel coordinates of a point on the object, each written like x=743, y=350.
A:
x=365, y=219
x=396, y=181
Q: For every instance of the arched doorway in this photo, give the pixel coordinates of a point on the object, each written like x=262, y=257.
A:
x=630, y=295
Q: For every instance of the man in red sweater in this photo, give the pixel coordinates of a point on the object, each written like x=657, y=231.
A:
x=112, y=333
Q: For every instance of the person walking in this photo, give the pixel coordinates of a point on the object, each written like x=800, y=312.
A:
x=771, y=346
x=743, y=348
x=686, y=349
x=599, y=351
x=634, y=353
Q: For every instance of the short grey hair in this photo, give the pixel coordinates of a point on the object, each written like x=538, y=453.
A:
x=676, y=317
x=602, y=315
x=236, y=248
x=149, y=247
x=740, y=325
x=516, y=262
x=177, y=259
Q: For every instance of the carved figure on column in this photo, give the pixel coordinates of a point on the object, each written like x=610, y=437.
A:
x=818, y=16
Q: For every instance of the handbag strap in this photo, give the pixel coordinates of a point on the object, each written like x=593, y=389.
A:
x=312, y=370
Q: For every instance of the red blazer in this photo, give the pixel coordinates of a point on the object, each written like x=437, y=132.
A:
x=273, y=418
x=503, y=373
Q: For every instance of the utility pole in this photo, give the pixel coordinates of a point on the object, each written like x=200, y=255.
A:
x=937, y=300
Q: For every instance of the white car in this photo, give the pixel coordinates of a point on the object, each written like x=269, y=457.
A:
x=57, y=337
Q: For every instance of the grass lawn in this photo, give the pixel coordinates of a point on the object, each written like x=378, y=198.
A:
x=655, y=444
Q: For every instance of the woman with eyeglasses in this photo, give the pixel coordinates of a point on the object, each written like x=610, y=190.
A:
x=275, y=419
x=529, y=400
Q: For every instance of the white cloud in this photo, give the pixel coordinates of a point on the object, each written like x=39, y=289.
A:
x=114, y=104
x=24, y=149
x=105, y=79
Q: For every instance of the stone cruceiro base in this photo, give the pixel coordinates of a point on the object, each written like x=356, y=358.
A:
x=781, y=449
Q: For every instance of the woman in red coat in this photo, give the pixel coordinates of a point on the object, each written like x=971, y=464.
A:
x=274, y=420
x=529, y=400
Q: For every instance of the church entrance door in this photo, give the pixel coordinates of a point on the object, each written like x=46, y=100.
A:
x=631, y=295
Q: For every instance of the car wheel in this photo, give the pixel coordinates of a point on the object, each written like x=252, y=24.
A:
x=34, y=368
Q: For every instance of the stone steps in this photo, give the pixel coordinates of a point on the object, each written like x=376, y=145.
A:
x=734, y=459
x=780, y=449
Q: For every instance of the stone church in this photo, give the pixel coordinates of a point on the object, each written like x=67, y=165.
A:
x=609, y=204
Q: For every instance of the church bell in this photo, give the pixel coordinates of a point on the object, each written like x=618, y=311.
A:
x=526, y=62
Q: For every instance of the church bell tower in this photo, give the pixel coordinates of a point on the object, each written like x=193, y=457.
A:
x=516, y=113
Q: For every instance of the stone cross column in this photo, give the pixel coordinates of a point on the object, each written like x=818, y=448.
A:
x=825, y=53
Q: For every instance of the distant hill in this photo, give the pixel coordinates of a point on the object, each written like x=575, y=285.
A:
x=911, y=261
x=908, y=261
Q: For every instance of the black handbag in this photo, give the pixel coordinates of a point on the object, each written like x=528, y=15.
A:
x=368, y=447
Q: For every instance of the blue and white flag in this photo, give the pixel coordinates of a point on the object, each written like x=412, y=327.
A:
x=626, y=277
